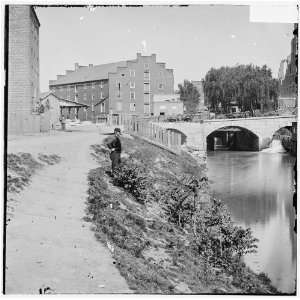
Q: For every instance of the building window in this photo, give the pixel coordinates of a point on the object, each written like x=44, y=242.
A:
x=146, y=87
x=132, y=95
x=102, y=107
x=118, y=94
x=146, y=66
x=146, y=108
x=119, y=106
x=132, y=106
x=146, y=75
x=146, y=98
x=132, y=73
x=84, y=97
x=101, y=85
x=161, y=86
x=93, y=85
x=101, y=95
x=132, y=85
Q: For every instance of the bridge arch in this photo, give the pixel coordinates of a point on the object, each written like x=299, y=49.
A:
x=183, y=135
x=282, y=131
x=232, y=138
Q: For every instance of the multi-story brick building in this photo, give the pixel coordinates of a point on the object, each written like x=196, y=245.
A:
x=125, y=87
x=23, y=69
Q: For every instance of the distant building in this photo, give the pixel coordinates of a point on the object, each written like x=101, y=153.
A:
x=23, y=70
x=288, y=75
x=167, y=105
x=199, y=85
x=125, y=87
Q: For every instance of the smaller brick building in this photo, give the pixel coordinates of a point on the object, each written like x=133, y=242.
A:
x=125, y=87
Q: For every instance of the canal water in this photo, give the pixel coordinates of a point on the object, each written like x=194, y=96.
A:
x=258, y=190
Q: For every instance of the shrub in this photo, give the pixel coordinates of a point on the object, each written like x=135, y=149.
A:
x=133, y=178
x=217, y=238
x=179, y=202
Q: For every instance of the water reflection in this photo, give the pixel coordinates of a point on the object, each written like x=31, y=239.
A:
x=258, y=189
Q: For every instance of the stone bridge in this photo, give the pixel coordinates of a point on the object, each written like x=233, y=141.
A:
x=262, y=127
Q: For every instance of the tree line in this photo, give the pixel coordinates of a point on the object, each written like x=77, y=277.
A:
x=247, y=86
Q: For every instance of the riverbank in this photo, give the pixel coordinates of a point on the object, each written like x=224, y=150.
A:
x=164, y=230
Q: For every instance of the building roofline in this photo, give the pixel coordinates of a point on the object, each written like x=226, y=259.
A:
x=35, y=15
x=59, y=98
x=74, y=102
x=74, y=83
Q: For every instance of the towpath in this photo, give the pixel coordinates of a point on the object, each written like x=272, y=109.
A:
x=48, y=244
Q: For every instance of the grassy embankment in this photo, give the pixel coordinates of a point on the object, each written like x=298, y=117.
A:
x=20, y=169
x=166, y=233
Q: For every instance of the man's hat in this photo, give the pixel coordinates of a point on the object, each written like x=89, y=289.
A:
x=117, y=130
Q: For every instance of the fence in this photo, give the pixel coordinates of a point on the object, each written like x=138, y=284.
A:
x=154, y=133
x=145, y=129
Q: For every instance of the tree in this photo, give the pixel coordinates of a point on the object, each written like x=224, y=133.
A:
x=189, y=95
x=248, y=86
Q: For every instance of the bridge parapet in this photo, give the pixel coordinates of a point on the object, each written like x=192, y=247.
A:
x=262, y=127
x=251, y=119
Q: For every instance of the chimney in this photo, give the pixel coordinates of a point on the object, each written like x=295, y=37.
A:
x=91, y=65
x=76, y=66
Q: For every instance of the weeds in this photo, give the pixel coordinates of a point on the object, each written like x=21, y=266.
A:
x=201, y=246
x=22, y=166
x=133, y=178
x=49, y=159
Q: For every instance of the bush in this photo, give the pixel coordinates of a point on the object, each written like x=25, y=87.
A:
x=218, y=239
x=133, y=178
x=180, y=200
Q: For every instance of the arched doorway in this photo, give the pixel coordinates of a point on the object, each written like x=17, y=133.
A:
x=232, y=138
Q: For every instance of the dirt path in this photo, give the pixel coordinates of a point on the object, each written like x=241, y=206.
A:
x=48, y=243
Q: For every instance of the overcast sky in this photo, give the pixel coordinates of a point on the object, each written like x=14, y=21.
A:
x=189, y=40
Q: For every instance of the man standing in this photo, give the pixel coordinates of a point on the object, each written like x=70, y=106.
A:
x=115, y=150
